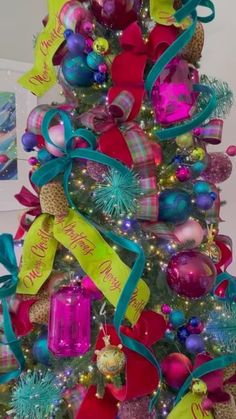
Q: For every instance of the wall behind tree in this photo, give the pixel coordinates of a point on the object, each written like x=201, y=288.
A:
x=21, y=20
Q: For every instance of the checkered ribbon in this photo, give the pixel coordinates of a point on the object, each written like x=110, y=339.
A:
x=101, y=119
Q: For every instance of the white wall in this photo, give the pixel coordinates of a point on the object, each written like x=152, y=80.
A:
x=21, y=19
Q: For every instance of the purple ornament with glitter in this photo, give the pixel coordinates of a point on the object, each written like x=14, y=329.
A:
x=69, y=324
x=173, y=97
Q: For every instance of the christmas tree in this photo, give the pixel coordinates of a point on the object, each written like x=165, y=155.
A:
x=122, y=306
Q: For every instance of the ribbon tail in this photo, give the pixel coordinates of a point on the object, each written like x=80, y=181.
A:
x=7, y=255
x=48, y=171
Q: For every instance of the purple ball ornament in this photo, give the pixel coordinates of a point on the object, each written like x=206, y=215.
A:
x=219, y=168
x=195, y=344
x=183, y=174
x=76, y=44
x=191, y=274
x=204, y=201
x=29, y=141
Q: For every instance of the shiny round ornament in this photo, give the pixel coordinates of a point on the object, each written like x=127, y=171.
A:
x=189, y=232
x=196, y=330
x=204, y=201
x=174, y=206
x=198, y=154
x=94, y=60
x=40, y=350
x=100, y=46
x=201, y=187
x=99, y=77
x=29, y=141
x=231, y=150
x=212, y=251
x=166, y=309
x=219, y=168
x=183, y=174
x=198, y=167
x=191, y=274
x=116, y=14
x=199, y=387
x=102, y=68
x=110, y=359
x=195, y=344
x=194, y=321
x=176, y=367
x=76, y=71
x=76, y=44
x=170, y=335
x=177, y=318
x=184, y=140
x=57, y=136
x=182, y=334
x=33, y=161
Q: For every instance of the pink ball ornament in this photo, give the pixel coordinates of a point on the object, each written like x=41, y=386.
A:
x=3, y=158
x=190, y=231
x=116, y=14
x=176, y=368
x=231, y=151
x=166, y=309
x=191, y=274
x=56, y=134
x=183, y=174
x=219, y=168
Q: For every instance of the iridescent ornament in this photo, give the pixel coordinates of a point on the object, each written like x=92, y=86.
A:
x=136, y=408
x=173, y=97
x=195, y=344
x=40, y=350
x=198, y=153
x=183, y=173
x=116, y=14
x=204, y=201
x=174, y=206
x=94, y=60
x=100, y=45
x=177, y=318
x=176, y=367
x=189, y=232
x=110, y=359
x=191, y=274
x=69, y=325
x=76, y=71
x=184, y=140
x=199, y=387
x=219, y=168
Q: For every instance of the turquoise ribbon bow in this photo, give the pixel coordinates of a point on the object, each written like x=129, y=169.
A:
x=64, y=164
x=8, y=288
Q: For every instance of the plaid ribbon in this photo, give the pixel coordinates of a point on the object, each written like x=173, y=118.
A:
x=102, y=119
x=36, y=116
x=8, y=361
x=212, y=132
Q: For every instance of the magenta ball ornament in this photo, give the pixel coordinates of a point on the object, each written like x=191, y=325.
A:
x=176, y=367
x=219, y=168
x=3, y=158
x=190, y=231
x=191, y=274
x=116, y=14
x=183, y=174
x=231, y=150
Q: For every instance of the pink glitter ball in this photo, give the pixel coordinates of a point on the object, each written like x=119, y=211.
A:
x=136, y=409
x=183, y=174
x=96, y=171
x=219, y=168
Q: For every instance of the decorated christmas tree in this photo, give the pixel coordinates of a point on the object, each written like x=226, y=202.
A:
x=122, y=306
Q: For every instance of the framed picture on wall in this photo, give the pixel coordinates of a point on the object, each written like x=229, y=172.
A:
x=15, y=106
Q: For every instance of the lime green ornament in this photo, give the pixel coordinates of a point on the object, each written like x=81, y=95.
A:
x=198, y=154
x=185, y=140
x=199, y=387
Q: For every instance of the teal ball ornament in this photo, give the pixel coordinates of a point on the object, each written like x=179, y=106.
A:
x=200, y=187
x=94, y=60
x=76, y=71
x=40, y=350
x=174, y=206
x=177, y=318
x=197, y=168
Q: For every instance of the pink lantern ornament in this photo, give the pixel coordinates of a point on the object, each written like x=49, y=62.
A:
x=69, y=323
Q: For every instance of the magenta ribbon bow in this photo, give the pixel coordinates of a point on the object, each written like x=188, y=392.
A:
x=212, y=132
x=124, y=140
x=28, y=199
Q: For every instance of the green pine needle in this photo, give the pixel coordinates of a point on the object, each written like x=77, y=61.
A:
x=224, y=95
x=118, y=194
x=36, y=395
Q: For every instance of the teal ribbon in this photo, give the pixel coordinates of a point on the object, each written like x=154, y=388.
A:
x=230, y=295
x=191, y=5
x=210, y=366
x=8, y=288
x=64, y=165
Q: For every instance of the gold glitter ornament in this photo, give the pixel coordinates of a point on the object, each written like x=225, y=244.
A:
x=110, y=359
x=211, y=250
x=100, y=46
x=199, y=387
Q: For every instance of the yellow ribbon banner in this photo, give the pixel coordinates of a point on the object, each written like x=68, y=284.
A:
x=190, y=408
x=162, y=12
x=94, y=254
x=43, y=76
